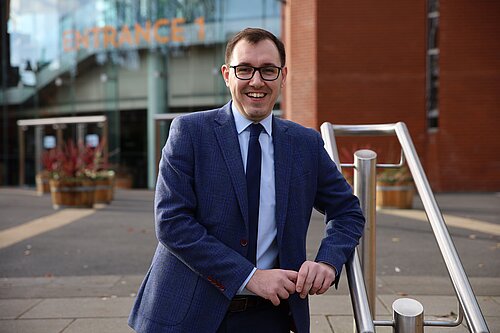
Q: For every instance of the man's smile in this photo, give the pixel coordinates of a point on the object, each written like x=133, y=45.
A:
x=256, y=94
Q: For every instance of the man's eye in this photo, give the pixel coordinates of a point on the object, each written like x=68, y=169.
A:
x=245, y=70
x=269, y=70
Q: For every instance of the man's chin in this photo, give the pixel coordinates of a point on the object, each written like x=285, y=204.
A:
x=258, y=114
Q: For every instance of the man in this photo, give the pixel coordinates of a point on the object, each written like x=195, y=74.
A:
x=234, y=197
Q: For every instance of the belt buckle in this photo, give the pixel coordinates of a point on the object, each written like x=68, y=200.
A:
x=244, y=303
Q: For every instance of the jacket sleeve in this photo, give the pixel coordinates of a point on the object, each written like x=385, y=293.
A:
x=175, y=216
x=343, y=215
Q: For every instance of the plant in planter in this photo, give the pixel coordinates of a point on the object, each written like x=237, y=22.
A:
x=71, y=182
x=395, y=188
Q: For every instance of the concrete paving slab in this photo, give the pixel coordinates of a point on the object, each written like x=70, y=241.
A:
x=81, y=308
x=75, y=286
x=434, y=285
x=8, y=282
x=329, y=305
x=319, y=324
x=34, y=325
x=24, y=287
x=108, y=325
x=493, y=323
x=345, y=324
x=488, y=306
x=485, y=286
x=70, y=286
x=416, y=285
x=13, y=308
x=127, y=285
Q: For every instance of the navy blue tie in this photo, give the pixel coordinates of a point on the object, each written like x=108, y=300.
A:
x=254, y=159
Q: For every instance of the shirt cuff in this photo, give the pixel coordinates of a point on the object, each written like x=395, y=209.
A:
x=244, y=284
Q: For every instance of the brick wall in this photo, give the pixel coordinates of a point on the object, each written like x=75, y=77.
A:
x=365, y=62
x=299, y=35
x=368, y=67
x=468, y=140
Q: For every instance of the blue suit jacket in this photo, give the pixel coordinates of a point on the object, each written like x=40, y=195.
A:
x=201, y=217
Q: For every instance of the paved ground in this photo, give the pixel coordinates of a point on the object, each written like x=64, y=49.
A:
x=78, y=271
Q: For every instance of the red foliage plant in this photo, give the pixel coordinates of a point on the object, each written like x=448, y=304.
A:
x=74, y=160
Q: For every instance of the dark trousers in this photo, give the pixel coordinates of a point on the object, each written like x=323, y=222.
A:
x=264, y=318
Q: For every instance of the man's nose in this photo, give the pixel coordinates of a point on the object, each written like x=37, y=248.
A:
x=256, y=80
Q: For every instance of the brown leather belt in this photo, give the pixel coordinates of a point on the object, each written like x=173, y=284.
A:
x=243, y=303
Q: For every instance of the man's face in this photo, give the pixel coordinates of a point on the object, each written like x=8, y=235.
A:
x=254, y=98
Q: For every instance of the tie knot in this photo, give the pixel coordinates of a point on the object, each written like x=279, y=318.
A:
x=255, y=130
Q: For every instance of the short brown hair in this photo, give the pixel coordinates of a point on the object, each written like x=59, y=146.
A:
x=253, y=36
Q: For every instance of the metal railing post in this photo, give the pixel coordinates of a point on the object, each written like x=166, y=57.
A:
x=408, y=316
x=365, y=162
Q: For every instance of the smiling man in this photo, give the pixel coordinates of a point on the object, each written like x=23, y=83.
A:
x=234, y=196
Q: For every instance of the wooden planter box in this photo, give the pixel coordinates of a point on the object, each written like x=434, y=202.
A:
x=42, y=183
x=395, y=195
x=72, y=193
x=104, y=190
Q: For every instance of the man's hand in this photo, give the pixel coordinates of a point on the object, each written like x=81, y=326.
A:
x=314, y=278
x=273, y=284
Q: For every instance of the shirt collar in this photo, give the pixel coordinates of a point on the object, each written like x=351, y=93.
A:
x=242, y=123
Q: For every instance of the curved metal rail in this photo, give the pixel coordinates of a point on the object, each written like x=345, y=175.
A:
x=473, y=315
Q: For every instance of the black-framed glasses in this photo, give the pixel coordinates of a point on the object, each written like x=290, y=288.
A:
x=267, y=73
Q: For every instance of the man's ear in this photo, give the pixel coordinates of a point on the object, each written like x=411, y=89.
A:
x=225, y=73
x=284, y=73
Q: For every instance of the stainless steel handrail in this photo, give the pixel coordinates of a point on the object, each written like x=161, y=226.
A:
x=474, y=317
x=359, y=299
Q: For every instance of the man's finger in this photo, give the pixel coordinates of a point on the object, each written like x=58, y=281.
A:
x=307, y=285
x=283, y=294
x=275, y=300
x=317, y=284
x=290, y=287
x=301, y=278
x=323, y=288
x=327, y=283
x=291, y=275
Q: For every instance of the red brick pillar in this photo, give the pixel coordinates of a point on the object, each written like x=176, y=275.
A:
x=299, y=100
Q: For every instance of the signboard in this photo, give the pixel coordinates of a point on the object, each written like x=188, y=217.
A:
x=161, y=31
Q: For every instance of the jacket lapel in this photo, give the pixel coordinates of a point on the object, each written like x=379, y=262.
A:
x=282, y=169
x=227, y=138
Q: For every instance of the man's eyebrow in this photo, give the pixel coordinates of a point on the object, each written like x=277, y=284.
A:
x=244, y=64
x=263, y=65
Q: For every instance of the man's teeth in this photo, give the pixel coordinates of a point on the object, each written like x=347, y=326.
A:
x=256, y=95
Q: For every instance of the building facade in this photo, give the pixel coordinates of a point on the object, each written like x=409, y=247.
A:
x=129, y=60
x=432, y=64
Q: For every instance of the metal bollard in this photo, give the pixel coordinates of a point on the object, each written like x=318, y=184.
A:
x=408, y=316
x=365, y=162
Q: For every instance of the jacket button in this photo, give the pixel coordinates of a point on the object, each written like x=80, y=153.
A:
x=243, y=242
